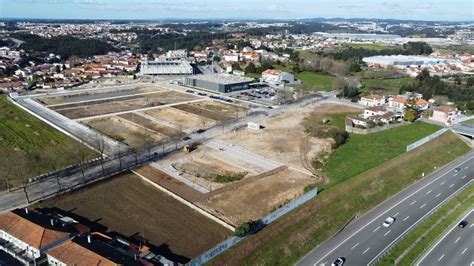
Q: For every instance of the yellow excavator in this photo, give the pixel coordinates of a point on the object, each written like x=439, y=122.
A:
x=189, y=148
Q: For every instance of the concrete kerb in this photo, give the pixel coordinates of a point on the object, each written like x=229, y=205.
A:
x=187, y=203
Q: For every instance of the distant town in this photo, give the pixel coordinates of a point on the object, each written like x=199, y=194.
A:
x=236, y=142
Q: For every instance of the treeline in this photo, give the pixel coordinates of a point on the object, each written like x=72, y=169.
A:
x=65, y=46
x=431, y=86
x=410, y=48
x=166, y=42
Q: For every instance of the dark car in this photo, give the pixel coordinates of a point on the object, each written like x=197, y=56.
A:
x=339, y=261
x=463, y=224
x=186, y=138
x=201, y=131
x=457, y=169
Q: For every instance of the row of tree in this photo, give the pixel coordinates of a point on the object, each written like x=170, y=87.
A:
x=65, y=46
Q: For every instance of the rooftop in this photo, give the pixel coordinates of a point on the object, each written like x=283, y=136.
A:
x=225, y=79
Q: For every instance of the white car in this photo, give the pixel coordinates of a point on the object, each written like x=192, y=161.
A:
x=389, y=221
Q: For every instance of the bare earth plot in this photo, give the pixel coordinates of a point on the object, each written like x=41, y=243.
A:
x=257, y=199
x=96, y=95
x=283, y=139
x=226, y=109
x=129, y=206
x=123, y=130
x=150, y=124
x=198, y=110
x=184, y=119
x=109, y=106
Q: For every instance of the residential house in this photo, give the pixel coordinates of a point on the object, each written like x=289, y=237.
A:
x=26, y=235
x=445, y=114
x=397, y=104
x=354, y=121
x=275, y=76
x=420, y=105
x=372, y=100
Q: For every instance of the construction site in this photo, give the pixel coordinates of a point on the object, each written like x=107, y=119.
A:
x=228, y=171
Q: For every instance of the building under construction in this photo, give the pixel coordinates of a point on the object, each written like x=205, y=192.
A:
x=166, y=67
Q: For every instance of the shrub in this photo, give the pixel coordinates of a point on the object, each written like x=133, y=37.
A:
x=246, y=228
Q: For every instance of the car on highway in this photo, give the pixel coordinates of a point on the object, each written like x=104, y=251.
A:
x=457, y=169
x=463, y=224
x=389, y=221
x=339, y=261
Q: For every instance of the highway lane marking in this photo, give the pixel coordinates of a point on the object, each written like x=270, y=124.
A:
x=455, y=174
x=365, y=251
x=413, y=203
x=396, y=204
x=464, y=251
x=422, y=206
x=387, y=233
x=395, y=215
x=406, y=218
x=440, y=258
x=463, y=177
x=466, y=167
x=428, y=192
x=376, y=228
x=437, y=195
x=444, y=236
x=353, y=247
x=457, y=239
x=442, y=183
x=452, y=185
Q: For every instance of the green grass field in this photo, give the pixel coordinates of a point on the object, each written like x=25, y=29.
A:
x=312, y=81
x=29, y=146
x=430, y=230
x=291, y=237
x=469, y=122
x=363, y=152
x=384, y=86
x=369, y=46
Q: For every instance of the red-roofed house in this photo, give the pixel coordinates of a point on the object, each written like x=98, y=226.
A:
x=445, y=114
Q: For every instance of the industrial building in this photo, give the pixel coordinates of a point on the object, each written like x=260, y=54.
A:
x=401, y=61
x=166, y=67
x=219, y=82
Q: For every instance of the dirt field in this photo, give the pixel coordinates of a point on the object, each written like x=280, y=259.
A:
x=150, y=124
x=257, y=199
x=102, y=107
x=122, y=130
x=199, y=110
x=226, y=109
x=284, y=140
x=97, y=94
x=202, y=164
x=184, y=119
x=130, y=206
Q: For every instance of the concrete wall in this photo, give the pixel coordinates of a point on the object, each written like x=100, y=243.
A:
x=366, y=131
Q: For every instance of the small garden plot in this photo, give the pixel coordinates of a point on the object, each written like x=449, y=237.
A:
x=226, y=109
x=217, y=116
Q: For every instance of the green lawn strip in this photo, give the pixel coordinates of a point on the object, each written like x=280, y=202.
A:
x=26, y=138
x=426, y=233
x=384, y=86
x=314, y=81
x=469, y=122
x=291, y=237
x=370, y=46
x=363, y=152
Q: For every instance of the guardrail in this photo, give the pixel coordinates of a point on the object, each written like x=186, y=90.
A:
x=426, y=139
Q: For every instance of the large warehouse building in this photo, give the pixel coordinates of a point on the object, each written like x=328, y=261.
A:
x=219, y=82
x=166, y=67
x=401, y=61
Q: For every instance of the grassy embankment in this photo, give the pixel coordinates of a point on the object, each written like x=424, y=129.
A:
x=30, y=147
x=418, y=241
x=291, y=237
x=314, y=81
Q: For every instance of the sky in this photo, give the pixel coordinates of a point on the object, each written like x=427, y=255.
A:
x=451, y=10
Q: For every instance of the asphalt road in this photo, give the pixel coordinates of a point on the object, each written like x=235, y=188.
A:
x=456, y=247
x=364, y=240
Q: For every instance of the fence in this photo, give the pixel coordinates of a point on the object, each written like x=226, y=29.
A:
x=426, y=139
x=231, y=241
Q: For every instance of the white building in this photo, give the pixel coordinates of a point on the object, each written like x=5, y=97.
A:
x=165, y=67
x=275, y=76
x=372, y=100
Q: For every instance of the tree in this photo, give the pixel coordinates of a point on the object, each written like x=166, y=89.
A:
x=82, y=154
x=58, y=69
x=410, y=115
x=246, y=228
x=100, y=146
x=251, y=68
x=355, y=67
x=470, y=82
x=295, y=69
x=457, y=80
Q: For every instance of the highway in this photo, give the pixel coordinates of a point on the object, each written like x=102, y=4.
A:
x=365, y=240
x=455, y=247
